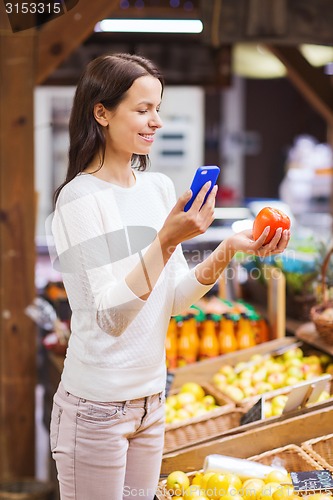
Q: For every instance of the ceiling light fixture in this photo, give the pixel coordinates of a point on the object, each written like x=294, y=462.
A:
x=150, y=26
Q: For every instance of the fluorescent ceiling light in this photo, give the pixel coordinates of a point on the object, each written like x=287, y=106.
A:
x=150, y=25
x=317, y=55
x=251, y=60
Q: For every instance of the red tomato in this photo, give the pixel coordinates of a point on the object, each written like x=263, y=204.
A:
x=272, y=217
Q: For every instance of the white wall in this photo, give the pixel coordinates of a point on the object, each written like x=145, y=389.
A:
x=179, y=146
x=51, y=145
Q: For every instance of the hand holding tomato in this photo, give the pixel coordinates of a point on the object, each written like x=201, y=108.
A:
x=269, y=236
x=273, y=218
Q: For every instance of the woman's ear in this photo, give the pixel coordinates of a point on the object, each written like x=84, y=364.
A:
x=101, y=114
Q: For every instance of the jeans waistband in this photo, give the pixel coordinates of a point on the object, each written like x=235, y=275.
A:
x=140, y=402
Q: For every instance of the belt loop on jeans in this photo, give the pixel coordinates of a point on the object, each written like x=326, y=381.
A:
x=124, y=407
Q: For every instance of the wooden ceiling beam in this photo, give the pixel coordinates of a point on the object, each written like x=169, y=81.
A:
x=157, y=12
x=310, y=81
x=57, y=39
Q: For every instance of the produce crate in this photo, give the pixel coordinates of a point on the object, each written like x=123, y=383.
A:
x=287, y=390
x=248, y=402
x=210, y=424
x=203, y=371
x=293, y=458
x=196, y=430
x=255, y=438
x=321, y=449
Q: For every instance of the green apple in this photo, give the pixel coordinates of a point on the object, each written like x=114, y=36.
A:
x=293, y=362
x=293, y=353
x=295, y=371
x=292, y=380
x=276, y=379
x=262, y=387
x=234, y=393
x=219, y=379
x=259, y=375
x=246, y=374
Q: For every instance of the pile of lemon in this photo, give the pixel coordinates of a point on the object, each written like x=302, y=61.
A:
x=277, y=485
x=191, y=401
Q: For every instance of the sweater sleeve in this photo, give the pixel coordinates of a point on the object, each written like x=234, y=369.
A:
x=188, y=289
x=94, y=260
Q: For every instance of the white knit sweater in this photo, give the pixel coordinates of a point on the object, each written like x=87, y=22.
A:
x=116, y=349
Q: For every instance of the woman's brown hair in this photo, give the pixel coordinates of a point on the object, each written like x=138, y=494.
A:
x=106, y=79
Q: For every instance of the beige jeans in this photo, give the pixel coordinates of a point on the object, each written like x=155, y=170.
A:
x=107, y=451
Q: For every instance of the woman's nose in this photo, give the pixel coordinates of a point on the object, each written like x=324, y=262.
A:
x=156, y=121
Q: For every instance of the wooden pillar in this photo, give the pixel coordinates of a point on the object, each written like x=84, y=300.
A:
x=17, y=252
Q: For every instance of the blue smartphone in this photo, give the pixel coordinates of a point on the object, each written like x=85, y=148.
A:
x=202, y=175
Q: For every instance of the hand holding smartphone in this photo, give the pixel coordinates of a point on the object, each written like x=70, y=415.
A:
x=202, y=175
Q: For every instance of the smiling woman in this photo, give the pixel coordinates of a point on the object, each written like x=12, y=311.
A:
x=117, y=233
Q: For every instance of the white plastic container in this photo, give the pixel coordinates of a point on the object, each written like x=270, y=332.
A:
x=242, y=467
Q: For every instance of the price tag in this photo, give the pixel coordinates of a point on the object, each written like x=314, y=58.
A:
x=311, y=481
x=254, y=413
x=169, y=380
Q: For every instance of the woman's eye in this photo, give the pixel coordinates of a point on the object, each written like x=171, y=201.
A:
x=142, y=111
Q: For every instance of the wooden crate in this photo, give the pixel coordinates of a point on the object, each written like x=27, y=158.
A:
x=233, y=359
x=203, y=371
x=292, y=457
x=321, y=450
x=255, y=438
x=212, y=423
x=197, y=430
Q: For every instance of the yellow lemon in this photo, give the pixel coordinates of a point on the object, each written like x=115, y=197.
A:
x=285, y=492
x=267, y=491
x=193, y=491
x=231, y=496
x=205, y=478
x=193, y=388
x=197, y=479
x=278, y=476
x=216, y=486
x=251, y=488
x=233, y=480
x=201, y=497
x=177, y=482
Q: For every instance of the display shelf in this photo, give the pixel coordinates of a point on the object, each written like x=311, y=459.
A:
x=308, y=333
